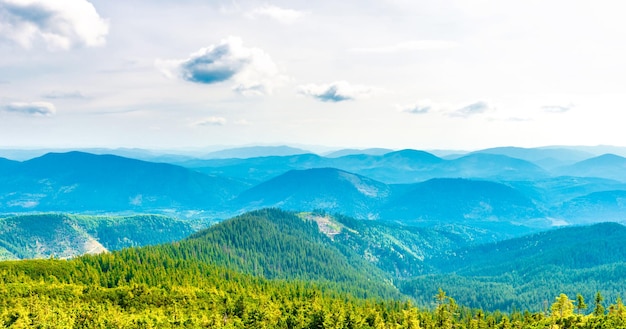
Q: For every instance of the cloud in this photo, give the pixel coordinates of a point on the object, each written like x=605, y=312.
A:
x=65, y=95
x=337, y=91
x=557, y=108
x=410, y=46
x=252, y=70
x=34, y=108
x=243, y=122
x=421, y=107
x=59, y=24
x=282, y=15
x=211, y=121
x=471, y=109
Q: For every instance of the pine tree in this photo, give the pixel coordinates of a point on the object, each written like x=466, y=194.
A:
x=598, y=309
x=563, y=307
x=580, y=303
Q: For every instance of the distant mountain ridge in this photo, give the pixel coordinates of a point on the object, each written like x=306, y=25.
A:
x=547, y=158
x=461, y=200
x=255, y=151
x=609, y=166
x=369, y=151
x=527, y=197
x=85, y=182
x=322, y=188
x=397, y=167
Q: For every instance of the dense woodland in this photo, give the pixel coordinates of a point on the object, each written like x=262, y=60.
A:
x=218, y=280
x=149, y=288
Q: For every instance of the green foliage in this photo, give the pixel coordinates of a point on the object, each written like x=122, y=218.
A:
x=276, y=244
x=65, y=235
x=178, y=285
x=154, y=287
x=562, y=307
x=525, y=272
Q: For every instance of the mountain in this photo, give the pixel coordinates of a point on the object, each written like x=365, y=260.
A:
x=609, y=166
x=595, y=207
x=276, y=244
x=491, y=166
x=77, y=181
x=545, y=157
x=43, y=236
x=523, y=272
x=472, y=202
x=255, y=151
x=6, y=164
x=596, y=150
x=183, y=285
x=135, y=153
x=398, y=167
x=554, y=191
x=402, y=166
x=411, y=166
x=345, y=152
x=399, y=250
x=66, y=236
x=256, y=170
x=328, y=189
x=570, y=247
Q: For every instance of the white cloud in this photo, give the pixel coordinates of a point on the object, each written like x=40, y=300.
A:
x=59, y=24
x=557, y=108
x=252, y=70
x=65, y=95
x=211, y=121
x=243, y=122
x=409, y=46
x=283, y=15
x=337, y=91
x=421, y=107
x=472, y=109
x=34, y=108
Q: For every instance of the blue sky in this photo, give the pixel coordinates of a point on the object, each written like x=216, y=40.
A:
x=387, y=73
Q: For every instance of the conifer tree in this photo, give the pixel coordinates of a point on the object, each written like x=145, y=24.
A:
x=580, y=303
x=598, y=309
x=562, y=307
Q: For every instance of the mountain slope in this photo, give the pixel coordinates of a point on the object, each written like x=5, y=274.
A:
x=345, y=152
x=492, y=166
x=398, y=167
x=278, y=244
x=461, y=201
x=595, y=207
x=522, y=272
x=609, y=166
x=78, y=181
x=66, y=236
x=399, y=250
x=545, y=157
x=256, y=151
x=570, y=247
x=256, y=170
x=325, y=188
x=41, y=236
x=6, y=164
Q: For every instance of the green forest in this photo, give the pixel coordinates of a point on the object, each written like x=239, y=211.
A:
x=149, y=288
x=273, y=269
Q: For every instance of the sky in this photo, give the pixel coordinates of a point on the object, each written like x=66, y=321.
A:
x=440, y=74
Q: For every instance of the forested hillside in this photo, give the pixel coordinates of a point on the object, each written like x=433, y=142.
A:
x=156, y=287
x=65, y=236
x=524, y=272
